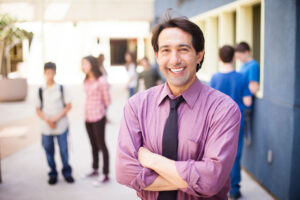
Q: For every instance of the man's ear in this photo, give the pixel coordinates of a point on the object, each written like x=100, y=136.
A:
x=200, y=56
x=156, y=56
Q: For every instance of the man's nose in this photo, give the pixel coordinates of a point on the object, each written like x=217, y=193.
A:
x=175, y=59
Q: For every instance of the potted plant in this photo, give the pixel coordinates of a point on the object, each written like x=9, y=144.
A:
x=11, y=38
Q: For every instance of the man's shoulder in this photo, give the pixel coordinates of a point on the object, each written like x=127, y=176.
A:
x=147, y=96
x=216, y=75
x=240, y=76
x=252, y=64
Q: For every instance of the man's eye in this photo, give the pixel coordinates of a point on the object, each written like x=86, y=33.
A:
x=164, y=50
x=184, y=50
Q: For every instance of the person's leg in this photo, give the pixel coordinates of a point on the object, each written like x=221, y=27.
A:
x=95, y=151
x=248, y=126
x=235, y=174
x=100, y=129
x=48, y=144
x=63, y=146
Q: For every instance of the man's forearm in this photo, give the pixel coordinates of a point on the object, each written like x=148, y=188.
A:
x=64, y=112
x=161, y=184
x=162, y=166
x=41, y=114
x=167, y=169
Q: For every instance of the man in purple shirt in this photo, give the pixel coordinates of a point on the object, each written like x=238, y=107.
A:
x=206, y=130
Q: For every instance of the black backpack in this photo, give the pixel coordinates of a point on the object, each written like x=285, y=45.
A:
x=61, y=88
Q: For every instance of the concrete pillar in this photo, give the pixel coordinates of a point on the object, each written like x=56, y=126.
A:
x=140, y=48
x=211, y=45
x=226, y=29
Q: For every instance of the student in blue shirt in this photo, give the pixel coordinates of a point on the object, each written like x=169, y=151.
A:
x=249, y=66
x=235, y=85
x=250, y=69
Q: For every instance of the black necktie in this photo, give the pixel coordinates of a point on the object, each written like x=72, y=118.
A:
x=170, y=142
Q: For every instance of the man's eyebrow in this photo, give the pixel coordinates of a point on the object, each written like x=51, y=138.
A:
x=163, y=46
x=180, y=45
x=185, y=45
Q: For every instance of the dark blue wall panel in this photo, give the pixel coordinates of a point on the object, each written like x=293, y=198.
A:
x=295, y=182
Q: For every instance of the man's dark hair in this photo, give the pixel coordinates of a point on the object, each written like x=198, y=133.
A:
x=184, y=24
x=242, y=47
x=50, y=65
x=226, y=53
x=94, y=66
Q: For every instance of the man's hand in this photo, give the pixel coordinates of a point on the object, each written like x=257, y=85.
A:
x=146, y=157
x=54, y=118
x=165, y=167
x=51, y=123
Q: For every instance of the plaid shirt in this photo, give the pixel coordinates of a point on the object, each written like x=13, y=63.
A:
x=97, y=99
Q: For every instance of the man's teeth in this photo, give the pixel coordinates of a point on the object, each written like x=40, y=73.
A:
x=177, y=70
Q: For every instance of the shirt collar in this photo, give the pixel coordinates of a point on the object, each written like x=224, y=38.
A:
x=190, y=95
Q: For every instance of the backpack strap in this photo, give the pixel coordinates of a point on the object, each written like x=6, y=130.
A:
x=41, y=97
x=61, y=88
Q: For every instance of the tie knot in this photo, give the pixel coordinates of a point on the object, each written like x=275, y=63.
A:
x=174, y=103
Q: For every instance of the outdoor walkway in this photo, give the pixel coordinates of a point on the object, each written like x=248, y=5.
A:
x=24, y=173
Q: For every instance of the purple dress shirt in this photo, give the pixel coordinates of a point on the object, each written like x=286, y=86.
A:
x=208, y=128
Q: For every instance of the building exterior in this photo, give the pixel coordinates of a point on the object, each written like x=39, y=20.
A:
x=271, y=27
x=66, y=30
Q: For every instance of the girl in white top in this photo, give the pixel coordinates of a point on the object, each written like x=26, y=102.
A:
x=131, y=71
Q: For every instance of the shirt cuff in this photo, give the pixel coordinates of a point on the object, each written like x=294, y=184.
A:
x=145, y=178
x=184, y=168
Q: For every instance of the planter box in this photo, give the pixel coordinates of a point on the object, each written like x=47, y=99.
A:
x=13, y=89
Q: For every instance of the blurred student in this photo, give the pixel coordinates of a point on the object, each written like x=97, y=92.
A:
x=235, y=85
x=250, y=69
x=249, y=66
x=97, y=101
x=131, y=71
x=52, y=107
x=150, y=75
x=101, y=65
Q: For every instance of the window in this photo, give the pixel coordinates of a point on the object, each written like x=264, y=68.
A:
x=118, y=48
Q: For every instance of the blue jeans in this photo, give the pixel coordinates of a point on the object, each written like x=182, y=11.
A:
x=235, y=175
x=48, y=144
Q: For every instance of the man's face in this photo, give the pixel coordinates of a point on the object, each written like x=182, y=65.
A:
x=177, y=57
x=242, y=56
x=49, y=75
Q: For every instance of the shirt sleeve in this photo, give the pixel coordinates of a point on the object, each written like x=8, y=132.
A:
x=246, y=91
x=104, y=87
x=129, y=171
x=208, y=176
x=254, y=73
x=67, y=95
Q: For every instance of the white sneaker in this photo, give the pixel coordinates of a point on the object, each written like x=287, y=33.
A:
x=91, y=174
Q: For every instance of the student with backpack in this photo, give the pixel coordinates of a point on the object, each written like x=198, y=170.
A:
x=235, y=85
x=97, y=101
x=52, y=107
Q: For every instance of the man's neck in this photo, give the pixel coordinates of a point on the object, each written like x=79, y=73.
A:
x=248, y=59
x=50, y=83
x=226, y=67
x=176, y=91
